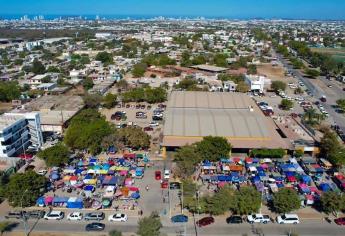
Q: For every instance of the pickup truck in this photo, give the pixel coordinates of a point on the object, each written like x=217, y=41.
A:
x=258, y=218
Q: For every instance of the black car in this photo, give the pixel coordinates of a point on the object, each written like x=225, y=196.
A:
x=234, y=220
x=95, y=227
x=175, y=185
x=15, y=214
x=35, y=214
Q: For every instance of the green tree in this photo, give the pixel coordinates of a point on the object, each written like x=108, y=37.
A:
x=134, y=137
x=55, y=156
x=149, y=226
x=186, y=159
x=87, y=83
x=4, y=226
x=109, y=100
x=23, y=189
x=139, y=70
x=278, y=85
x=286, y=104
x=312, y=73
x=341, y=103
x=221, y=202
x=242, y=87
x=312, y=117
x=92, y=100
x=213, y=148
x=53, y=69
x=220, y=60
x=105, y=57
x=246, y=201
x=198, y=60
x=87, y=130
x=115, y=233
x=38, y=67
x=332, y=149
x=252, y=69
x=331, y=202
x=9, y=91
x=286, y=200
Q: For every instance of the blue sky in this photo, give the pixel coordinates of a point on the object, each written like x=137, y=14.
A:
x=302, y=9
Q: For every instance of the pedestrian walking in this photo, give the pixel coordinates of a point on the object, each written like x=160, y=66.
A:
x=147, y=188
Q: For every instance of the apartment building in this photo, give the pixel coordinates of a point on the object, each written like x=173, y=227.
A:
x=18, y=131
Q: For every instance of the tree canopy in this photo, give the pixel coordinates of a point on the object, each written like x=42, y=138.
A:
x=23, y=189
x=213, y=148
x=87, y=130
x=134, y=137
x=55, y=155
x=109, y=100
x=246, y=201
x=149, y=225
x=286, y=200
x=38, y=67
x=186, y=159
x=332, y=149
x=139, y=69
x=278, y=85
x=105, y=57
x=148, y=94
x=332, y=202
x=9, y=91
x=286, y=104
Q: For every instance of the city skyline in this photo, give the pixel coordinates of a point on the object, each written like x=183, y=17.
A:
x=293, y=9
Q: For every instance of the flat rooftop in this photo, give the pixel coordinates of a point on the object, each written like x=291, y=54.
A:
x=209, y=68
x=190, y=116
x=7, y=120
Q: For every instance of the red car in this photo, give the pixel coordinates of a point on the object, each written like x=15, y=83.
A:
x=148, y=128
x=158, y=175
x=340, y=221
x=205, y=221
x=164, y=184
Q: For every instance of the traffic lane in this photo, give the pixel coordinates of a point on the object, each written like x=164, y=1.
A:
x=307, y=227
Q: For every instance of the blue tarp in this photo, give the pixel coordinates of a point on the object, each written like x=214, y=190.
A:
x=325, y=187
x=78, y=171
x=289, y=173
x=261, y=174
x=40, y=201
x=224, y=178
x=135, y=195
x=260, y=169
x=213, y=178
x=58, y=200
x=55, y=176
x=225, y=160
x=80, y=163
x=112, y=149
x=256, y=179
x=75, y=203
x=139, y=171
x=306, y=179
x=89, y=188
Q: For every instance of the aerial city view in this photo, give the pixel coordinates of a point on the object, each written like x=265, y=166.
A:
x=172, y=118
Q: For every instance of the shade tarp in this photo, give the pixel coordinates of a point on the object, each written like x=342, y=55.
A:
x=59, y=200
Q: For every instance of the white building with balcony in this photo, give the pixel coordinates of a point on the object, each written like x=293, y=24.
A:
x=257, y=83
x=18, y=131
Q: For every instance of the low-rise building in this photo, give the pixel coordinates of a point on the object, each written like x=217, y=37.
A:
x=257, y=83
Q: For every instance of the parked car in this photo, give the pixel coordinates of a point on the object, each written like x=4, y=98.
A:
x=179, y=219
x=258, y=218
x=54, y=215
x=154, y=124
x=323, y=99
x=340, y=221
x=95, y=227
x=94, y=216
x=175, y=185
x=166, y=174
x=35, y=214
x=118, y=217
x=205, y=221
x=75, y=216
x=288, y=219
x=42, y=172
x=234, y=219
x=158, y=175
x=15, y=214
x=148, y=129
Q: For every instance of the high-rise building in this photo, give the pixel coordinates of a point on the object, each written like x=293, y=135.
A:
x=18, y=131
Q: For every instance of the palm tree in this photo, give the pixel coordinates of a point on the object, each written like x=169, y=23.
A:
x=312, y=117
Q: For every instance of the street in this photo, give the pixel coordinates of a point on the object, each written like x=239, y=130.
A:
x=332, y=94
x=307, y=227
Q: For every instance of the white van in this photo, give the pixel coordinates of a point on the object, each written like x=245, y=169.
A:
x=288, y=219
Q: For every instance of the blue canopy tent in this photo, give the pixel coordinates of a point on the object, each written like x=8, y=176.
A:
x=80, y=163
x=59, y=200
x=55, y=176
x=112, y=149
x=325, y=187
x=223, y=160
x=306, y=179
x=40, y=202
x=224, y=178
x=79, y=171
x=74, y=202
x=213, y=178
x=256, y=178
x=89, y=188
x=106, y=166
x=135, y=195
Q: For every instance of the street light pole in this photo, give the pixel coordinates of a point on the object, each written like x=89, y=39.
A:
x=23, y=215
x=181, y=197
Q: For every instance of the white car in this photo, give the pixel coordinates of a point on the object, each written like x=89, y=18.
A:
x=154, y=124
x=118, y=217
x=166, y=174
x=75, y=216
x=54, y=215
x=42, y=172
x=288, y=219
x=258, y=218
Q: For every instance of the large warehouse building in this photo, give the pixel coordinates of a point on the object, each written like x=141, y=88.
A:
x=190, y=116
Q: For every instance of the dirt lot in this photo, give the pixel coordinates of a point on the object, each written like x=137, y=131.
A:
x=5, y=107
x=274, y=72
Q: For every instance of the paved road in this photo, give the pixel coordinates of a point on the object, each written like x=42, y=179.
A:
x=310, y=227
x=332, y=94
